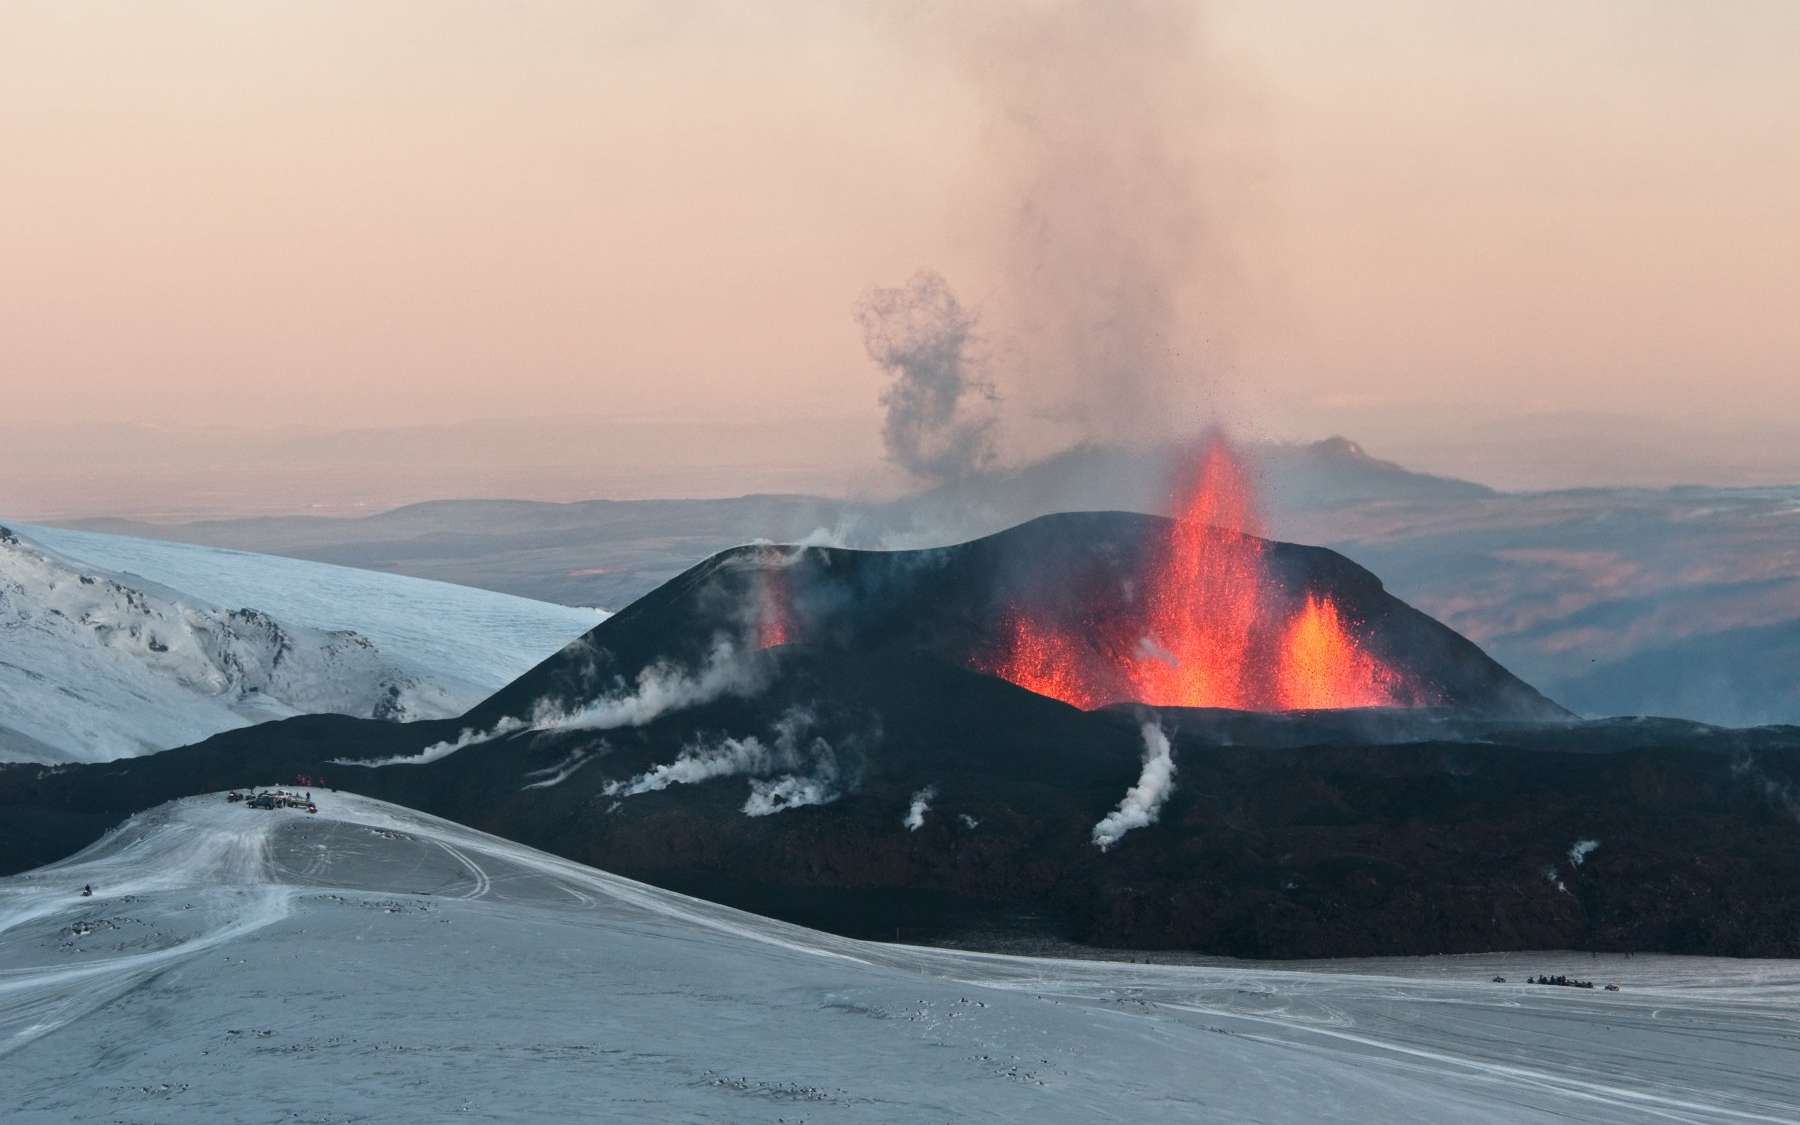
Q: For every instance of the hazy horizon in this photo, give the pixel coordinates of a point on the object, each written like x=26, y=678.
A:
x=1534, y=248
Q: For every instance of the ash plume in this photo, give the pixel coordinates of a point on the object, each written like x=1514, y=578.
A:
x=1143, y=802
x=940, y=417
x=921, y=804
x=1114, y=159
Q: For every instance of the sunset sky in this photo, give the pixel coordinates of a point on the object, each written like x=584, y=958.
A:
x=1424, y=224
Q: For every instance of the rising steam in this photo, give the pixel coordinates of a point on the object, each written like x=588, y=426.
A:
x=1113, y=162
x=659, y=689
x=664, y=687
x=921, y=804
x=811, y=777
x=1580, y=850
x=1144, y=801
x=940, y=418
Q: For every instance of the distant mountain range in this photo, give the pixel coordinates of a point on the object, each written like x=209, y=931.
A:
x=608, y=552
x=1619, y=601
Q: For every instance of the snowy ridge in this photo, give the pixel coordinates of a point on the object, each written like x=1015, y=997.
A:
x=96, y=665
x=96, y=668
x=472, y=641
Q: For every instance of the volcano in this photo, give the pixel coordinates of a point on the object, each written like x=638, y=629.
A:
x=847, y=739
x=1059, y=606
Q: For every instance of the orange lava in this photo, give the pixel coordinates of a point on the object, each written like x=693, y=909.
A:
x=1322, y=666
x=1046, y=661
x=1208, y=630
x=1204, y=596
x=774, y=610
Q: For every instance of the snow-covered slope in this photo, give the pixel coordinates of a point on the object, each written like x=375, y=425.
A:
x=472, y=640
x=375, y=964
x=98, y=664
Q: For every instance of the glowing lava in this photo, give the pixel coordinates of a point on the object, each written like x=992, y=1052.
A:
x=1204, y=596
x=1208, y=627
x=1047, y=661
x=1322, y=666
x=774, y=609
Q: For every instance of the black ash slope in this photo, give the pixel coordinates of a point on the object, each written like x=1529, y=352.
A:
x=952, y=603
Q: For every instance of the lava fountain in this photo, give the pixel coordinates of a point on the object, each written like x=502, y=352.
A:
x=774, y=612
x=1206, y=626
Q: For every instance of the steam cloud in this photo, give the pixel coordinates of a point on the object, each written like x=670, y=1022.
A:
x=812, y=777
x=1144, y=801
x=659, y=689
x=921, y=804
x=1113, y=159
x=664, y=687
x=791, y=792
x=1580, y=850
x=940, y=421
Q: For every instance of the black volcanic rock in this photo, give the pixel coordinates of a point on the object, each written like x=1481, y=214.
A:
x=951, y=603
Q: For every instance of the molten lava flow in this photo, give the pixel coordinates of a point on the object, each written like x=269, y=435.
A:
x=1209, y=629
x=1044, y=660
x=774, y=609
x=1322, y=666
x=1204, y=596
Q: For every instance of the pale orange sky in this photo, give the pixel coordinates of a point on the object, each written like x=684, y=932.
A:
x=1425, y=215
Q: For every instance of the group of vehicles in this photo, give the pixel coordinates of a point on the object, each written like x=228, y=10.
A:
x=274, y=799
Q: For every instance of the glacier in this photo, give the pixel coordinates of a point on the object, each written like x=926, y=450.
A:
x=113, y=647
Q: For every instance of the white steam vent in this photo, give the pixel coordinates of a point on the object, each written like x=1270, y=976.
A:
x=1144, y=801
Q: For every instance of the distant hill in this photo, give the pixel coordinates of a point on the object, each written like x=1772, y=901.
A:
x=608, y=552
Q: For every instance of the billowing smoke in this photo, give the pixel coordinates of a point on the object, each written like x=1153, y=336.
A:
x=1580, y=850
x=728, y=758
x=469, y=736
x=1114, y=158
x=940, y=416
x=921, y=804
x=1144, y=801
x=791, y=791
x=664, y=687
x=811, y=774
x=659, y=689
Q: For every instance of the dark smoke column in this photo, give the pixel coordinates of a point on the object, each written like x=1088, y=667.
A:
x=940, y=413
